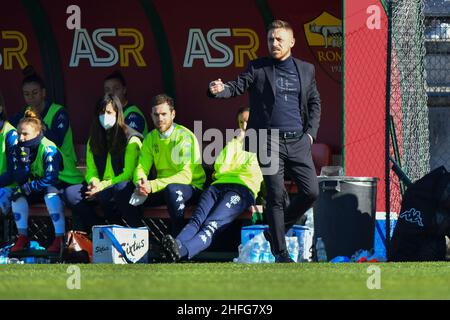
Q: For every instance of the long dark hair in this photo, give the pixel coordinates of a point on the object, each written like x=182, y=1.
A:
x=113, y=140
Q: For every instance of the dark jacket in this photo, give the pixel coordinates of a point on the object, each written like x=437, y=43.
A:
x=258, y=79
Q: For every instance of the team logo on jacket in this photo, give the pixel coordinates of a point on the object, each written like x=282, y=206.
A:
x=412, y=216
x=324, y=36
x=133, y=125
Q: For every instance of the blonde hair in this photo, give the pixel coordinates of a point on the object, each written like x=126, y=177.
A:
x=31, y=118
x=280, y=24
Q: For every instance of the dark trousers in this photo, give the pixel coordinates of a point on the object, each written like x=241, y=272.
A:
x=219, y=205
x=110, y=200
x=295, y=157
x=175, y=196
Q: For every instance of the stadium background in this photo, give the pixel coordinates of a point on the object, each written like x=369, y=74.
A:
x=179, y=46
x=162, y=29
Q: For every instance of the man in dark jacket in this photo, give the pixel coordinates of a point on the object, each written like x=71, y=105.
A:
x=285, y=102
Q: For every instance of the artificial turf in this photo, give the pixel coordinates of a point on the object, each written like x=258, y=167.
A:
x=227, y=281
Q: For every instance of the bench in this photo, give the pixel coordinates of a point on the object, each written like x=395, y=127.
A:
x=157, y=212
x=321, y=153
x=42, y=231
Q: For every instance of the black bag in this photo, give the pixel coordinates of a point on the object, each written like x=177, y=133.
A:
x=424, y=220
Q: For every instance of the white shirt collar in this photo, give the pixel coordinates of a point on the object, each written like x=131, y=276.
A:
x=167, y=134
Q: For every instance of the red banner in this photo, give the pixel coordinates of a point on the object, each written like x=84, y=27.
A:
x=174, y=46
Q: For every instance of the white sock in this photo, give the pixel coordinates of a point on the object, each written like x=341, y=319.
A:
x=55, y=208
x=20, y=212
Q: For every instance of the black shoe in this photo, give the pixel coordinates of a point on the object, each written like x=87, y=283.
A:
x=156, y=254
x=283, y=257
x=170, y=245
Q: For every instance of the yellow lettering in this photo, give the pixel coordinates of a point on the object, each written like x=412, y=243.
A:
x=18, y=52
x=329, y=56
x=245, y=50
x=131, y=49
x=321, y=56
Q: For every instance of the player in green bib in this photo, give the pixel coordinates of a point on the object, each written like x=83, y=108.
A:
x=116, y=84
x=8, y=141
x=174, y=152
x=39, y=174
x=236, y=182
x=55, y=119
x=112, y=156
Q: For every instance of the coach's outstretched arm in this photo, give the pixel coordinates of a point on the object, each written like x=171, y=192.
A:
x=218, y=89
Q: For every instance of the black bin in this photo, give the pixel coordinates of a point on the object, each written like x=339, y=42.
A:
x=344, y=214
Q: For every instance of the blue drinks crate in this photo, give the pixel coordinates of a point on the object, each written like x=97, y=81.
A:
x=380, y=232
x=302, y=233
x=249, y=232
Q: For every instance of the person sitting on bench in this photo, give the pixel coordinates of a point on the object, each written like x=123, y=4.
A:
x=111, y=157
x=237, y=181
x=174, y=152
x=116, y=85
x=8, y=141
x=55, y=119
x=39, y=174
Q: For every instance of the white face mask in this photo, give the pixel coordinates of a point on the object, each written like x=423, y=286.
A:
x=107, y=121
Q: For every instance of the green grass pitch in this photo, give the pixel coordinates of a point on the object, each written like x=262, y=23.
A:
x=227, y=281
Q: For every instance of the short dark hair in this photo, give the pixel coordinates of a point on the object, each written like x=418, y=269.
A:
x=242, y=110
x=163, y=98
x=30, y=76
x=117, y=75
x=279, y=24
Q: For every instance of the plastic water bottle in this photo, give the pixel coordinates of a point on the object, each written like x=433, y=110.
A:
x=263, y=253
x=240, y=254
x=320, y=251
x=293, y=248
x=15, y=261
x=36, y=260
x=255, y=254
x=266, y=254
x=4, y=260
x=310, y=218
